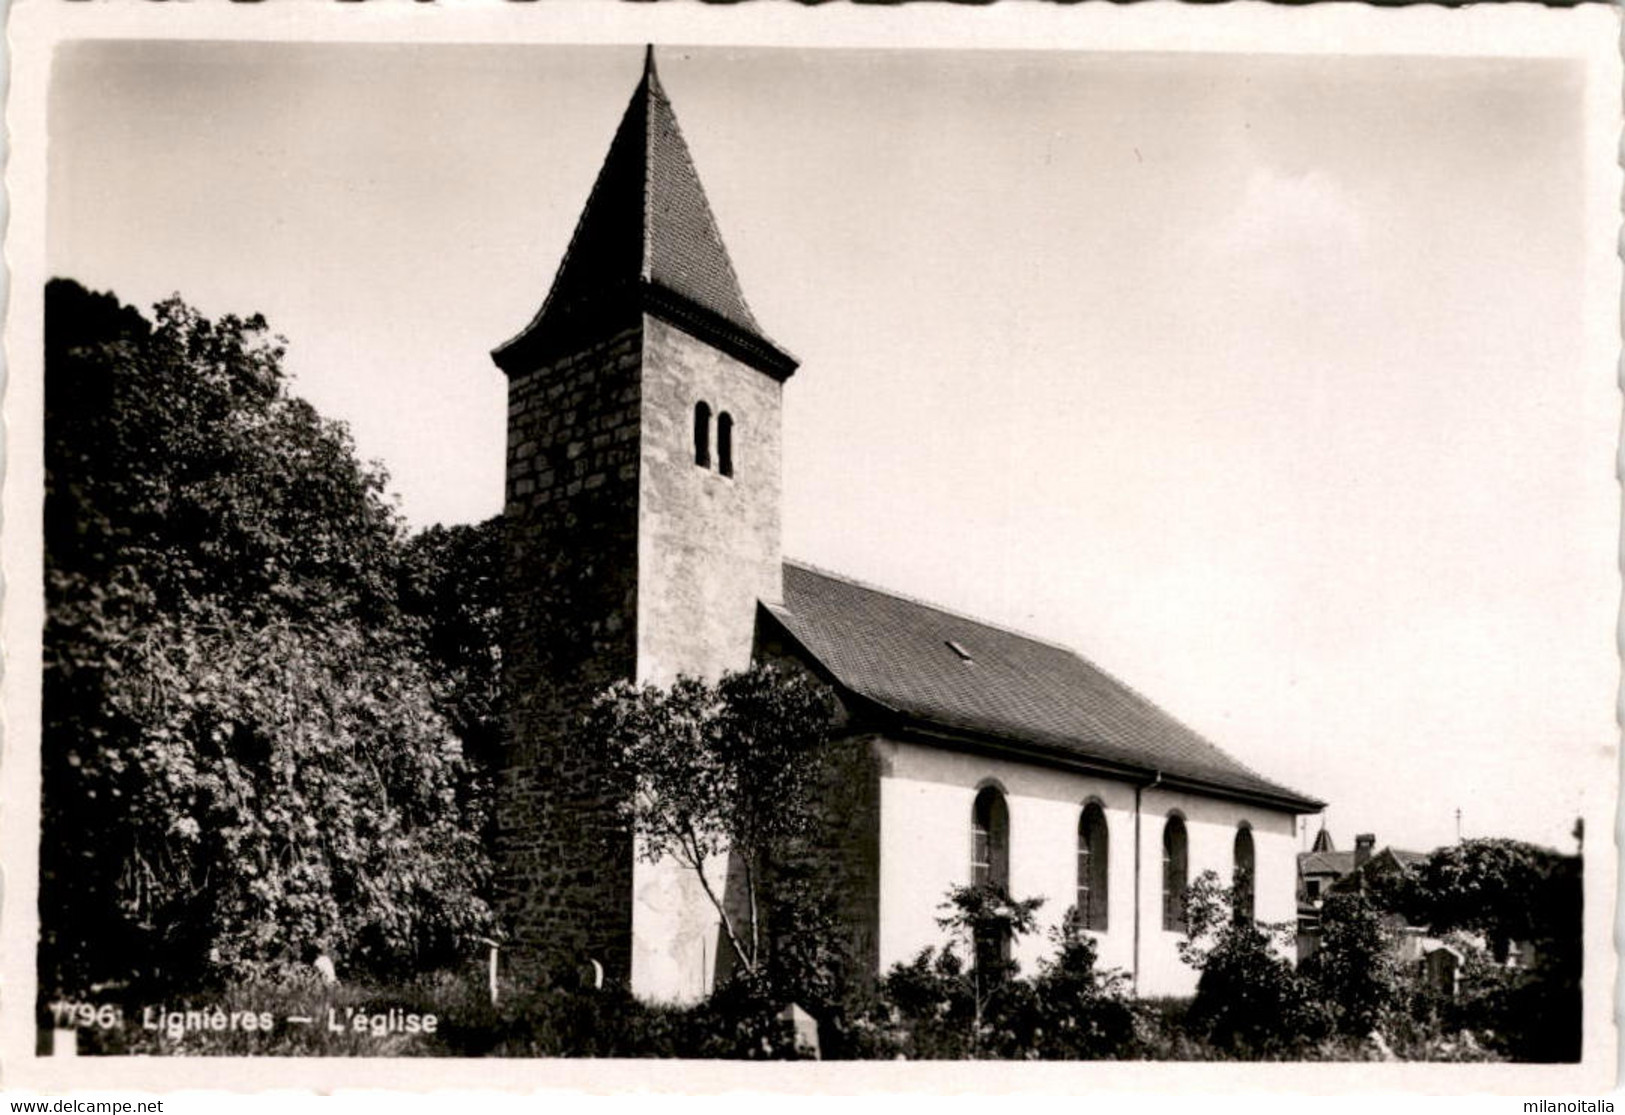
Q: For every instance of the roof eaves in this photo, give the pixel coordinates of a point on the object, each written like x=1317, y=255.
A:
x=1282, y=798
x=745, y=345
x=923, y=728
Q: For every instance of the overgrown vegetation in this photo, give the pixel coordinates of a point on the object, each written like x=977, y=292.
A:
x=252, y=751
x=1250, y=1004
x=1249, y=1000
x=968, y=1000
x=1509, y=894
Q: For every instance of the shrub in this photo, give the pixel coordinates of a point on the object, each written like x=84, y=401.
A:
x=935, y=1007
x=1082, y=1013
x=1249, y=1000
x=1354, y=972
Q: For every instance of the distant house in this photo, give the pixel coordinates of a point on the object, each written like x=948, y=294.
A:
x=1318, y=869
x=1324, y=869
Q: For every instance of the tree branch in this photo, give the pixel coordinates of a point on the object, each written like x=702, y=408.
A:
x=722, y=912
x=750, y=891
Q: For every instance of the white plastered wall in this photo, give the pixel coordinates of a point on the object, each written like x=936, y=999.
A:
x=1210, y=828
x=676, y=931
x=926, y=794
x=708, y=550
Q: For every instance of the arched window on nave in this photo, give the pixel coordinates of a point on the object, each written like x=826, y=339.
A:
x=1175, y=873
x=1093, y=845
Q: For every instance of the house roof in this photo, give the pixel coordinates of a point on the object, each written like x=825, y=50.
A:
x=647, y=230
x=1325, y=863
x=1342, y=863
x=935, y=669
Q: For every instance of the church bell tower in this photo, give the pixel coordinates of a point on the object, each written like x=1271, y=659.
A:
x=642, y=527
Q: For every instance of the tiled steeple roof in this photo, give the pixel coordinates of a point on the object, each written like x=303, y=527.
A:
x=648, y=233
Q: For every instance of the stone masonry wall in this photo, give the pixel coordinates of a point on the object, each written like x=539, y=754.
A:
x=564, y=861
x=844, y=851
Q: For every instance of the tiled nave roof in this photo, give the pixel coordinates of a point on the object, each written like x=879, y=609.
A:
x=934, y=668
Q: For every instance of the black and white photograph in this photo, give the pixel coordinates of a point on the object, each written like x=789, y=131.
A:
x=760, y=547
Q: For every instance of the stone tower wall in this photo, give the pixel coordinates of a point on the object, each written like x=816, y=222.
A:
x=564, y=861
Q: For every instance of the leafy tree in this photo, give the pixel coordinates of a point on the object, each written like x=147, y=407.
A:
x=1509, y=890
x=243, y=754
x=724, y=772
x=985, y=921
x=452, y=582
x=967, y=999
x=941, y=1006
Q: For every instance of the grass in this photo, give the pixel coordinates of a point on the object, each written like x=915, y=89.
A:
x=466, y=1023
x=558, y=1024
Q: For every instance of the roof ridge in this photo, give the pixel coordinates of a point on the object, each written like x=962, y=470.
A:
x=870, y=586
x=648, y=87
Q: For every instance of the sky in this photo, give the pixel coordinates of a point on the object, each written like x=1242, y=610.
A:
x=1258, y=380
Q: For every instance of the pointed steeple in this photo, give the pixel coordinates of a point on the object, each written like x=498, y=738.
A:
x=648, y=236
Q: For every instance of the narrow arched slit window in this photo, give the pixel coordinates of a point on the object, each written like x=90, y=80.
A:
x=702, y=435
x=1175, y=874
x=1242, y=883
x=1092, y=868
x=725, y=444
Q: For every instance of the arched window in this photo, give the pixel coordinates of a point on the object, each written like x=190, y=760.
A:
x=990, y=840
x=1092, y=862
x=990, y=866
x=702, y=435
x=725, y=444
x=1175, y=874
x=1243, y=878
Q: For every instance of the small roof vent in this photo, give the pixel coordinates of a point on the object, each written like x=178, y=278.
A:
x=964, y=655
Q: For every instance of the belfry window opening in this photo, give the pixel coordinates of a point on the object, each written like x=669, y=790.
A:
x=702, y=435
x=725, y=444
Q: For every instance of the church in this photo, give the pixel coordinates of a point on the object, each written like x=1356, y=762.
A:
x=643, y=542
